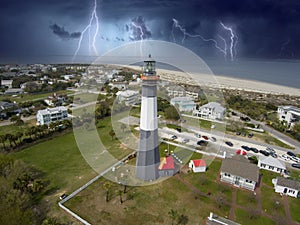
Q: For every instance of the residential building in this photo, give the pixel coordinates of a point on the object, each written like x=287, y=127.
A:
x=119, y=85
x=286, y=186
x=192, y=91
x=211, y=110
x=50, y=115
x=271, y=164
x=197, y=165
x=6, y=83
x=239, y=172
x=13, y=91
x=214, y=219
x=129, y=97
x=289, y=115
x=166, y=167
x=175, y=91
x=185, y=104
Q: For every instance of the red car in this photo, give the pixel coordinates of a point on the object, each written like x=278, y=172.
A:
x=204, y=137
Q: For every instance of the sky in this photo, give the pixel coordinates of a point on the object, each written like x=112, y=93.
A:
x=49, y=31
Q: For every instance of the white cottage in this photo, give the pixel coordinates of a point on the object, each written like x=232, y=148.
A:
x=197, y=165
x=239, y=172
x=271, y=164
x=286, y=186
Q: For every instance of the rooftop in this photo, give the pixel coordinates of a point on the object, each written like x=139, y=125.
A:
x=199, y=162
x=52, y=110
x=240, y=166
x=217, y=107
x=167, y=163
x=288, y=183
x=272, y=162
x=290, y=108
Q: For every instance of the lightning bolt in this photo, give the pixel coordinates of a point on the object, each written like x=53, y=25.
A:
x=94, y=17
x=141, y=35
x=223, y=49
x=186, y=34
x=233, y=41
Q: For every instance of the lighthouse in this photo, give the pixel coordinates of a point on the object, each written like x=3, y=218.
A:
x=148, y=158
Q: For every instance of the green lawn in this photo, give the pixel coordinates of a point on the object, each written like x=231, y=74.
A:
x=272, y=202
x=149, y=204
x=243, y=217
x=31, y=97
x=246, y=198
x=294, y=204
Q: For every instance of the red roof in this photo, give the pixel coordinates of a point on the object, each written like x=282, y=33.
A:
x=199, y=162
x=167, y=164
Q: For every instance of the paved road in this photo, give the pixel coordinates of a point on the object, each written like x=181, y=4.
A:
x=282, y=137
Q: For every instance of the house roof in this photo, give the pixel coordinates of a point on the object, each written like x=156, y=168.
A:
x=239, y=166
x=167, y=163
x=215, y=106
x=288, y=183
x=272, y=162
x=199, y=162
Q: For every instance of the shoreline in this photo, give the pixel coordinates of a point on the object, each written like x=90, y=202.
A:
x=224, y=82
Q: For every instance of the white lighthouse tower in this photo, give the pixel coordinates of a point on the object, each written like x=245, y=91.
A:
x=148, y=158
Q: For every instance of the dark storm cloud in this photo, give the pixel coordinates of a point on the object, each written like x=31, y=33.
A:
x=62, y=33
x=139, y=29
x=263, y=26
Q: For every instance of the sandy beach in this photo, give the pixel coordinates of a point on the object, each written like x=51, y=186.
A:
x=226, y=82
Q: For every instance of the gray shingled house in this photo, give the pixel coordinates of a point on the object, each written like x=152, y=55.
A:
x=239, y=172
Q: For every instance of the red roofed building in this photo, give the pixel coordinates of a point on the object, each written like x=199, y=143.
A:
x=166, y=167
x=197, y=165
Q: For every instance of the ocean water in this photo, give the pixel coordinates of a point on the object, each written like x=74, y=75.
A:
x=286, y=73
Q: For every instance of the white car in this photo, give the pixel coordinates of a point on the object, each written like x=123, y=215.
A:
x=285, y=157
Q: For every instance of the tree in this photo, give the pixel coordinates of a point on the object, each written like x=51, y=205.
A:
x=171, y=113
x=107, y=186
x=3, y=140
x=9, y=137
x=173, y=214
x=112, y=134
x=296, y=128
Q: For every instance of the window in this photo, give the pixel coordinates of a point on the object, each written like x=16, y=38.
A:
x=249, y=181
x=271, y=167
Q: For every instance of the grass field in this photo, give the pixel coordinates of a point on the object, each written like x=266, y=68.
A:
x=242, y=217
x=32, y=97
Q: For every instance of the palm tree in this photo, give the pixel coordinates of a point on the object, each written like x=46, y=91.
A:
x=112, y=134
x=173, y=214
x=19, y=136
x=9, y=137
x=107, y=186
x=3, y=140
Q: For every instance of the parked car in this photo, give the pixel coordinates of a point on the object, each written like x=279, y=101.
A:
x=63, y=196
x=295, y=159
x=254, y=149
x=198, y=135
x=250, y=135
x=204, y=137
x=173, y=137
x=185, y=140
x=245, y=147
x=228, y=143
x=296, y=165
x=178, y=129
x=244, y=134
x=202, y=143
x=238, y=133
x=213, y=139
x=285, y=157
x=269, y=149
x=274, y=155
x=291, y=154
x=265, y=153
